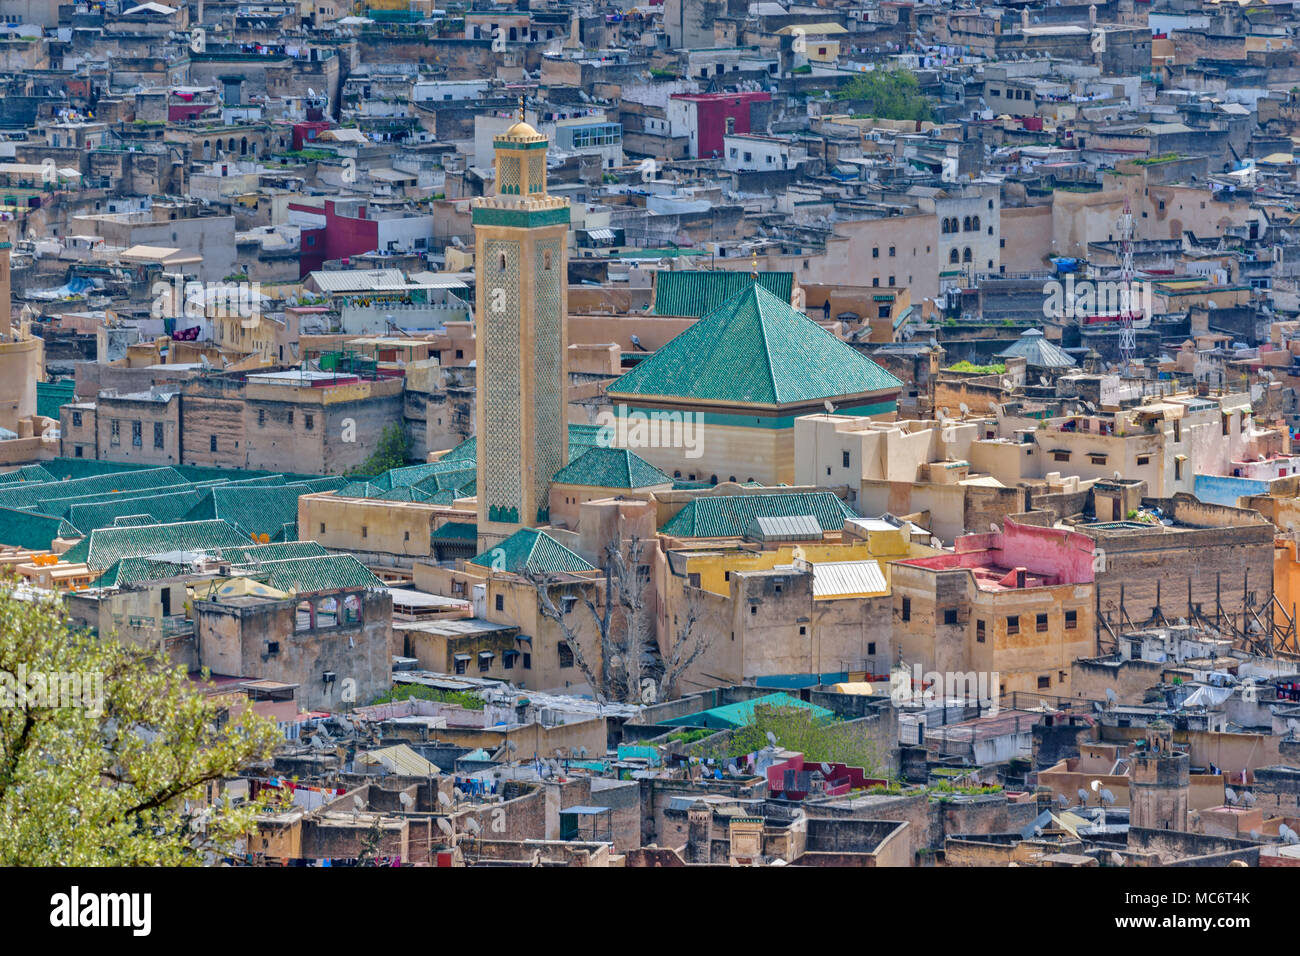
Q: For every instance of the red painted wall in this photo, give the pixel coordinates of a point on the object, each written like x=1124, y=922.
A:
x=341, y=237
x=712, y=111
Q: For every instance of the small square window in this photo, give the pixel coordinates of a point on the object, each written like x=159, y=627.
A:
x=1040, y=625
x=1013, y=624
x=950, y=615
x=1045, y=683
x=501, y=602
x=907, y=609
x=979, y=631
x=1071, y=620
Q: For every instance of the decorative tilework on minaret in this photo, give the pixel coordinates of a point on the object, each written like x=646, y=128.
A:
x=522, y=297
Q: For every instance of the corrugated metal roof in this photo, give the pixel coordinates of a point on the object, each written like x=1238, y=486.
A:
x=399, y=759
x=842, y=578
x=783, y=528
x=359, y=280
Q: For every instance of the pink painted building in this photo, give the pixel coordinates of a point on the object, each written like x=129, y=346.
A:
x=1012, y=608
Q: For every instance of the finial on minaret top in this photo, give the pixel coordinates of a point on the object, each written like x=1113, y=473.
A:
x=521, y=107
x=754, y=265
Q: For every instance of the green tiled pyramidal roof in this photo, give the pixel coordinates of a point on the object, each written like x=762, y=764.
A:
x=25, y=473
x=51, y=395
x=727, y=516
x=24, y=494
x=253, y=510
x=530, y=550
x=161, y=508
x=456, y=531
x=102, y=547
x=611, y=468
x=26, y=529
x=331, y=572
x=698, y=292
x=275, y=551
x=754, y=349
x=128, y=571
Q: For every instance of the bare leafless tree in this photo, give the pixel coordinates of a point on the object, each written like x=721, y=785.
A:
x=618, y=608
x=691, y=638
x=618, y=611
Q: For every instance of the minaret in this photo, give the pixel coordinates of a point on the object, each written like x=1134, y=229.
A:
x=1159, y=782
x=520, y=262
x=22, y=354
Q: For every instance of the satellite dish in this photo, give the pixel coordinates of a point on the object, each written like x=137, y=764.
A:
x=1110, y=695
x=1107, y=797
x=472, y=826
x=826, y=769
x=771, y=739
x=1229, y=795
x=1248, y=798
x=1042, y=380
x=1287, y=834
x=445, y=826
x=1083, y=796
x=443, y=799
x=358, y=802
x=460, y=794
x=405, y=799
x=1062, y=799
x=965, y=409
x=1116, y=859
x=1095, y=785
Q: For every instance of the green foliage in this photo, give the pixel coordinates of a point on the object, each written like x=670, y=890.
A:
x=797, y=728
x=802, y=70
x=466, y=699
x=894, y=94
x=118, y=776
x=997, y=368
x=391, y=452
x=691, y=736
x=1154, y=160
x=947, y=790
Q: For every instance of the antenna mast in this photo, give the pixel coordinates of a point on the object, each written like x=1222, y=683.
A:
x=1127, y=338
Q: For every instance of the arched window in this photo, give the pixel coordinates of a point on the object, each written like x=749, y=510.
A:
x=352, y=609
x=546, y=260
x=965, y=224
x=243, y=146
x=302, y=620
x=952, y=257
x=501, y=262
x=327, y=612
x=966, y=254
x=975, y=223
